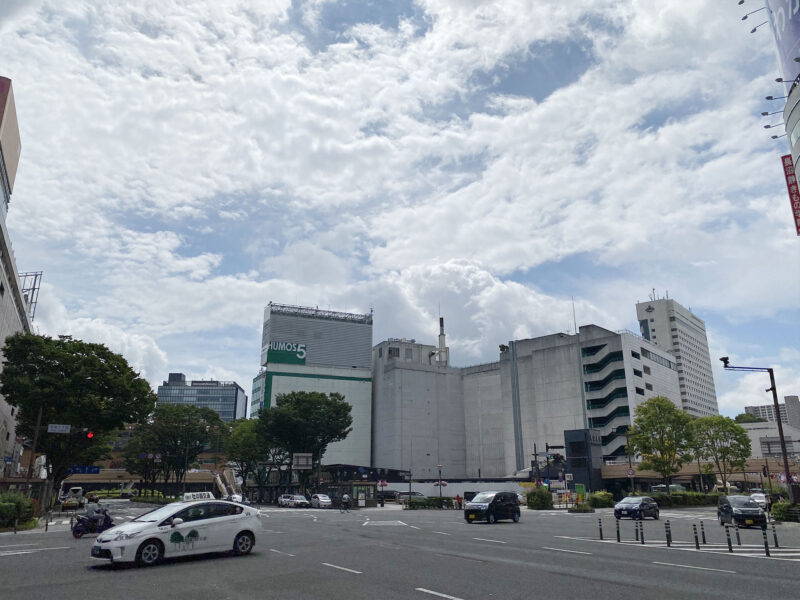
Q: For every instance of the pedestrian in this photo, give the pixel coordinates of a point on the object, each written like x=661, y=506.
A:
x=458, y=501
x=769, y=503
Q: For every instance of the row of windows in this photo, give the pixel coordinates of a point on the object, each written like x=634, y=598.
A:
x=658, y=359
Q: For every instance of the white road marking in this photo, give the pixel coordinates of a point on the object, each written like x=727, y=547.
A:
x=30, y=551
x=412, y=526
x=15, y=545
x=342, y=568
x=441, y=533
x=564, y=550
x=493, y=541
x=279, y=552
x=432, y=593
x=692, y=567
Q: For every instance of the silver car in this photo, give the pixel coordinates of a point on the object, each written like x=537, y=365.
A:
x=760, y=499
x=320, y=501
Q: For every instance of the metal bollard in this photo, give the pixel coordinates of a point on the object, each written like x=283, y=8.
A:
x=15, y=526
x=636, y=529
x=667, y=534
x=600, y=526
x=775, y=536
x=617, y=520
x=738, y=539
x=702, y=533
x=728, y=537
x=641, y=526
x=766, y=544
x=696, y=540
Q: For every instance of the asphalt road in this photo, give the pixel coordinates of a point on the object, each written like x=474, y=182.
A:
x=391, y=554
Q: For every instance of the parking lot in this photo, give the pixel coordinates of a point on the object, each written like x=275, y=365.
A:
x=392, y=553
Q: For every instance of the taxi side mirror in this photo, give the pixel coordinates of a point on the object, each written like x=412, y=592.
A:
x=176, y=521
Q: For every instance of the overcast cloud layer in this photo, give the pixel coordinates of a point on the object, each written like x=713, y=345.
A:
x=184, y=163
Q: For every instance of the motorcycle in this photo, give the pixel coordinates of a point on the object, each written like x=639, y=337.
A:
x=84, y=525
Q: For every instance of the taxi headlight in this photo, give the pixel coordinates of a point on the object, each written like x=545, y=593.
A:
x=122, y=535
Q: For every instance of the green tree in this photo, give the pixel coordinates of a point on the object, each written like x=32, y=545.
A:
x=71, y=382
x=723, y=442
x=748, y=418
x=244, y=448
x=661, y=435
x=136, y=455
x=306, y=422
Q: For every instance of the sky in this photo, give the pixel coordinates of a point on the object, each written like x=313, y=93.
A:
x=185, y=163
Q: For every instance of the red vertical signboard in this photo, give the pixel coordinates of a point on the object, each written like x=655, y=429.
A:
x=791, y=185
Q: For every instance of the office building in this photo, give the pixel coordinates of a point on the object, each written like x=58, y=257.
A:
x=257, y=395
x=227, y=398
x=17, y=302
x=312, y=350
x=675, y=329
x=765, y=441
x=789, y=411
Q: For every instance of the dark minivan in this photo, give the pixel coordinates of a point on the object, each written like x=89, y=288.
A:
x=740, y=510
x=492, y=506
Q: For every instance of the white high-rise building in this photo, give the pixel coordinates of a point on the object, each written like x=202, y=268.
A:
x=674, y=328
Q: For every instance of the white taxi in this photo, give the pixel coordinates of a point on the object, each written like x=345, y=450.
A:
x=181, y=529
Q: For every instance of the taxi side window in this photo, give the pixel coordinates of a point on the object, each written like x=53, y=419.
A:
x=194, y=513
x=223, y=510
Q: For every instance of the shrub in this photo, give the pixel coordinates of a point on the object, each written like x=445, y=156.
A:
x=581, y=507
x=780, y=511
x=432, y=502
x=540, y=499
x=14, y=506
x=601, y=500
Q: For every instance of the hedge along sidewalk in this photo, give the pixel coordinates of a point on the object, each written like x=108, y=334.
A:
x=25, y=526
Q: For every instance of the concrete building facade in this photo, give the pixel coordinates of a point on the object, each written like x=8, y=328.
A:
x=15, y=315
x=227, y=398
x=486, y=420
x=789, y=411
x=313, y=350
x=765, y=441
x=677, y=330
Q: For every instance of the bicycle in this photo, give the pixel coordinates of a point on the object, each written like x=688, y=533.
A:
x=344, y=507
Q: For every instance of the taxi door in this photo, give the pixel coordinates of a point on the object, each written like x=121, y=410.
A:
x=227, y=522
x=192, y=535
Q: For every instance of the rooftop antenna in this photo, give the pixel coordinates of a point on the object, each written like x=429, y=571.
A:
x=574, y=319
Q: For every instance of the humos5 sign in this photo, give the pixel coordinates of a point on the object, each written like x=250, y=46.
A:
x=290, y=353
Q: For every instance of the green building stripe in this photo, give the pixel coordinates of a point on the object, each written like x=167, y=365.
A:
x=271, y=374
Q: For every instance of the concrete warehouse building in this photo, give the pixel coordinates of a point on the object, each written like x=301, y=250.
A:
x=485, y=420
x=313, y=350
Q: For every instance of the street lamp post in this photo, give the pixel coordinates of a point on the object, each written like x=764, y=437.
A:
x=440, y=480
x=773, y=388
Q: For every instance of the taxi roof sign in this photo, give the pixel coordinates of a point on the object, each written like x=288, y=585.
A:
x=198, y=496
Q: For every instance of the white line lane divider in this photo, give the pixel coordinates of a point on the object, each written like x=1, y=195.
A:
x=692, y=567
x=30, y=551
x=342, y=568
x=279, y=552
x=493, y=541
x=441, y=533
x=564, y=550
x=15, y=545
x=439, y=594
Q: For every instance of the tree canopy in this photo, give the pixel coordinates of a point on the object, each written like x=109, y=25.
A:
x=746, y=417
x=722, y=441
x=77, y=383
x=661, y=434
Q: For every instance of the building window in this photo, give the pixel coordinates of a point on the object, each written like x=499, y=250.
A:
x=2, y=289
x=646, y=369
x=635, y=354
x=637, y=372
x=640, y=391
x=648, y=387
x=380, y=352
x=394, y=352
x=409, y=353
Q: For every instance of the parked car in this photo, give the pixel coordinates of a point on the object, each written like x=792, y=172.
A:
x=74, y=499
x=760, y=498
x=636, y=507
x=321, y=501
x=385, y=494
x=299, y=501
x=180, y=529
x=492, y=506
x=740, y=510
x=662, y=489
x=285, y=499
x=404, y=496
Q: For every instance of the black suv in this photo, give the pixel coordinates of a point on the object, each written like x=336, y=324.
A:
x=740, y=510
x=492, y=506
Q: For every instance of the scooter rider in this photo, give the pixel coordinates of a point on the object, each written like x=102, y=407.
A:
x=94, y=512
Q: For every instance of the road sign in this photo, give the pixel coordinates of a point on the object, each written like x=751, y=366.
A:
x=631, y=473
x=58, y=428
x=568, y=476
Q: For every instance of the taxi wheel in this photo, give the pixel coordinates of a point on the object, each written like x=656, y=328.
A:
x=243, y=543
x=515, y=518
x=656, y=516
x=491, y=519
x=149, y=553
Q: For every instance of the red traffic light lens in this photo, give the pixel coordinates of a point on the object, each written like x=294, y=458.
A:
x=90, y=435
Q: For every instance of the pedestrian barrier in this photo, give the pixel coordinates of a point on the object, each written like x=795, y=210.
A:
x=766, y=543
x=696, y=539
x=775, y=536
x=641, y=533
x=600, y=525
x=738, y=539
x=728, y=537
x=617, y=521
x=702, y=533
x=668, y=533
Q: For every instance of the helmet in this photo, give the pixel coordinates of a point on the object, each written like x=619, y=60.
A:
x=93, y=498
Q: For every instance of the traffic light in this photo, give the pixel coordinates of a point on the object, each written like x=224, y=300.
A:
x=764, y=471
x=89, y=434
